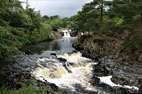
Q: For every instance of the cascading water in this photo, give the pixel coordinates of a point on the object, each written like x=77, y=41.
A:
x=57, y=72
x=66, y=33
x=61, y=66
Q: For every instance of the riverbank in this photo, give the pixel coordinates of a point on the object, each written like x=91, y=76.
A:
x=20, y=68
x=108, y=52
x=7, y=59
x=27, y=48
x=56, y=66
x=24, y=83
x=25, y=64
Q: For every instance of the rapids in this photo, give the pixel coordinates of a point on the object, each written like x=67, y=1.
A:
x=58, y=73
x=61, y=65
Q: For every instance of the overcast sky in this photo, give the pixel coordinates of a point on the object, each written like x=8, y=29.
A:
x=63, y=8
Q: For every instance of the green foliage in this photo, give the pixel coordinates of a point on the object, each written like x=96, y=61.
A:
x=3, y=23
x=45, y=31
x=56, y=24
x=20, y=26
x=68, y=22
x=113, y=15
x=31, y=88
x=120, y=19
x=24, y=90
x=86, y=19
x=135, y=42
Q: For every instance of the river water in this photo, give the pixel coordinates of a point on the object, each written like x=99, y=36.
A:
x=57, y=62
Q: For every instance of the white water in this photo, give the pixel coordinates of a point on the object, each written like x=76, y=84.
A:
x=66, y=33
x=53, y=71
x=108, y=81
x=77, y=69
x=81, y=71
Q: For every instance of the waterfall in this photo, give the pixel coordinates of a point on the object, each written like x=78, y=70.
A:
x=66, y=33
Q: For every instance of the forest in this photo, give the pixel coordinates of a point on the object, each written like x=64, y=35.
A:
x=19, y=26
x=110, y=20
x=110, y=28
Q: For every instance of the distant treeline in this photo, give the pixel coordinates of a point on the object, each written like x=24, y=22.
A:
x=19, y=26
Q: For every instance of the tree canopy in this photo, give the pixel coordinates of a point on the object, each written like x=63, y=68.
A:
x=19, y=26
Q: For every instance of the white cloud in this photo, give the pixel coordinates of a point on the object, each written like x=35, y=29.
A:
x=64, y=8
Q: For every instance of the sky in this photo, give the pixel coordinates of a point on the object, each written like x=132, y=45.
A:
x=63, y=8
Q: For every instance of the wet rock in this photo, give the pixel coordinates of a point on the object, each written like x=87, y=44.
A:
x=67, y=67
x=74, y=51
x=54, y=54
x=41, y=85
x=100, y=70
x=140, y=88
x=95, y=81
x=54, y=87
x=124, y=73
x=111, y=90
x=104, y=67
x=56, y=35
x=93, y=56
x=127, y=74
x=70, y=63
x=120, y=90
x=124, y=79
x=62, y=59
x=28, y=52
x=81, y=90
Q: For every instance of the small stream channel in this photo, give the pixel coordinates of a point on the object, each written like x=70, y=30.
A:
x=57, y=62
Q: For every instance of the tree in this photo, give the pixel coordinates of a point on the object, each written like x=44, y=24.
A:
x=101, y=5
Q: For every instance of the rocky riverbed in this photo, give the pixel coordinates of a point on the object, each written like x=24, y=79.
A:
x=123, y=73
x=62, y=69
x=62, y=72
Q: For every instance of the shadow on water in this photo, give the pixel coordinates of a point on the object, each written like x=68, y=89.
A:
x=43, y=46
x=64, y=45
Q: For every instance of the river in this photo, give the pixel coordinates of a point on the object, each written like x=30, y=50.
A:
x=59, y=63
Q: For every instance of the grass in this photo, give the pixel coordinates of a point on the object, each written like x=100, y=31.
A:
x=30, y=89
x=24, y=90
